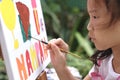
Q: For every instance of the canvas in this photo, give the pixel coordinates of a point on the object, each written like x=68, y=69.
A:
x=25, y=58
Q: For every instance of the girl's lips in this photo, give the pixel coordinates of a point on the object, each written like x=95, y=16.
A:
x=92, y=39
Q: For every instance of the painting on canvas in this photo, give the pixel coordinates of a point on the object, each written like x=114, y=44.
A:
x=25, y=58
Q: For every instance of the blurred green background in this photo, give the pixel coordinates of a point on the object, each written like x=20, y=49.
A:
x=68, y=20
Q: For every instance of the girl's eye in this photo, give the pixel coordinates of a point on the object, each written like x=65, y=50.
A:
x=94, y=17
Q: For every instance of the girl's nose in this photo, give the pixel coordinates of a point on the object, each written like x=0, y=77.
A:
x=90, y=27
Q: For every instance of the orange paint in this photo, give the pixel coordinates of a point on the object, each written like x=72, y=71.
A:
x=21, y=68
x=36, y=21
x=35, y=13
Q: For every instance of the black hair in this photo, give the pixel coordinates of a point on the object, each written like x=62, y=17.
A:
x=100, y=55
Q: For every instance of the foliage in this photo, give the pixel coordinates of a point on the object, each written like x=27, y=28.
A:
x=3, y=75
x=68, y=20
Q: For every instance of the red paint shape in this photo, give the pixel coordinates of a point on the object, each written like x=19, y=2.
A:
x=41, y=52
x=24, y=16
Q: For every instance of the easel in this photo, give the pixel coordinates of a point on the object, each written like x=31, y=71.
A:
x=42, y=76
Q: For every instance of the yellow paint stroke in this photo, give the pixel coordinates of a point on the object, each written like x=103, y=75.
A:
x=7, y=10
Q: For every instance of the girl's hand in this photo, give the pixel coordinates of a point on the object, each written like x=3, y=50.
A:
x=58, y=58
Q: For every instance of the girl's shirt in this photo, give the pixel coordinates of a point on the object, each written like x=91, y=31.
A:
x=104, y=71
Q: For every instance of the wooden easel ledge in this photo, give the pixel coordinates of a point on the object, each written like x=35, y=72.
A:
x=42, y=76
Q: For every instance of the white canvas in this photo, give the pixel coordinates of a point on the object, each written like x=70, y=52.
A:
x=25, y=58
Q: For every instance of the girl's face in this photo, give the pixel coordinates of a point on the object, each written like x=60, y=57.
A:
x=103, y=34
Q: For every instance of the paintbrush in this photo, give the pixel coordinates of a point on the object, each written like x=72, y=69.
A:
x=62, y=50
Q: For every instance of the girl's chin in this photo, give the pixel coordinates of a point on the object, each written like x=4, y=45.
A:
x=101, y=47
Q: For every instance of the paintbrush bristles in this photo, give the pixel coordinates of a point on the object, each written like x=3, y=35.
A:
x=44, y=42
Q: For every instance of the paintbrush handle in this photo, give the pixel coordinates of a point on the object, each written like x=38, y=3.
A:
x=75, y=55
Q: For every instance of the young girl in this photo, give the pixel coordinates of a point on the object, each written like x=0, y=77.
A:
x=104, y=32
